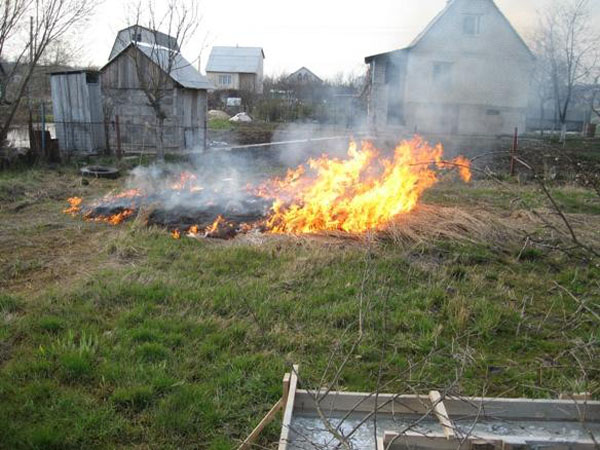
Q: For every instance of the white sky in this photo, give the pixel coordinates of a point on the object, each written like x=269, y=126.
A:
x=327, y=36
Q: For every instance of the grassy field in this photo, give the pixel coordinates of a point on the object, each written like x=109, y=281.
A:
x=121, y=337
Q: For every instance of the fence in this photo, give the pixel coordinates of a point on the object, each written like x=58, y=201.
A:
x=114, y=137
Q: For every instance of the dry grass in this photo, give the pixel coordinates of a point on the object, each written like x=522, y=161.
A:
x=434, y=223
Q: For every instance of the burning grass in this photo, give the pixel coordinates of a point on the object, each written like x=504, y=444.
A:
x=365, y=192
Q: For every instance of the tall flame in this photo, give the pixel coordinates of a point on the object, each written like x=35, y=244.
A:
x=360, y=193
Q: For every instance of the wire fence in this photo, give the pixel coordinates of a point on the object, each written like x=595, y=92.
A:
x=117, y=136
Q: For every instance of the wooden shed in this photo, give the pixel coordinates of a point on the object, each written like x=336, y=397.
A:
x=183, y=98
x=77, y=107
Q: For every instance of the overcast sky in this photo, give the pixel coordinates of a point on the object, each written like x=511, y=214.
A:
x=327, y=36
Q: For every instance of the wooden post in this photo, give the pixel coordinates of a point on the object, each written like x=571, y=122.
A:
x=43, y=113
x=440, y=412
x=281, y=404
x=118, y=129
x=513, y=152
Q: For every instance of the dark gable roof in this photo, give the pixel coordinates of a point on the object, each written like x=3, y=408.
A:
x=306, y=69
x=449, y=5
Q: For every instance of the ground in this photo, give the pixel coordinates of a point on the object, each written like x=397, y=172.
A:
x=122, y=337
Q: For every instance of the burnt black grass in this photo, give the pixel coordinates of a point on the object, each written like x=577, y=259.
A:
x=138, y=340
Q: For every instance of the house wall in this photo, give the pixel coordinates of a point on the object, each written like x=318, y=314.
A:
x=486, y=89
x=77, y=109
x=214, y=78
x=186, y=110
x=260, y=76
x=249, y=82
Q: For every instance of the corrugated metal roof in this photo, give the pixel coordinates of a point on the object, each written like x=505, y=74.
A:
x=182, y=72
x=235, y=59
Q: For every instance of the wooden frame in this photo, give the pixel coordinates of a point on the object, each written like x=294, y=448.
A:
x=448, y=410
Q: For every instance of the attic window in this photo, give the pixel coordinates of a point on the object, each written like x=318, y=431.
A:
x=471, y=24
x=136, y=37
x=493, y=112
x=91, y=78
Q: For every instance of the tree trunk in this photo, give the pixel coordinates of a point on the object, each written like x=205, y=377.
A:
x=160, y=148
x=563, y=133
x=542, y=113
x=107, y=151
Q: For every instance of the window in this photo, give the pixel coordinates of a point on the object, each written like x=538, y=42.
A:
x=136, y=37
x=225, y=80
x=471, y=24
x=91, y=78
x=493, y=112
x=442, y=73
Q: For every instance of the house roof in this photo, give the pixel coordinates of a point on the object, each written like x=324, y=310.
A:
x=235, y=59
x=449, y=5
x=182, y=72
x=305, y=69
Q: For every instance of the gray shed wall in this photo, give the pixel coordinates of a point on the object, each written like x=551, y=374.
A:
x=77, y=108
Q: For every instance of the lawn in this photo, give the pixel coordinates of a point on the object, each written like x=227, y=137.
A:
x=122, y=337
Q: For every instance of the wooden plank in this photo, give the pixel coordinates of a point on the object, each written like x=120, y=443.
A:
x=289, y=409
x=510, y=409
x=442, y=415
x=393, y=441
x=261, y=426
x=270, y=415
x=286, y=388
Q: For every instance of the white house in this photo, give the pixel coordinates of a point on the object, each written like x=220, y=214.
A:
x=467, y=73
x=238, y=68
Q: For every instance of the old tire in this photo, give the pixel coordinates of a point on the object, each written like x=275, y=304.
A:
x=100, y=172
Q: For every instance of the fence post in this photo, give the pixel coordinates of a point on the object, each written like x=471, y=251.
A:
x=119, y=152
x=513, y=153
x=43, y=112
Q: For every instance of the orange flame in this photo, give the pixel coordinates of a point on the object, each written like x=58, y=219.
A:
x=364, y=192
x=114, y=219
x=215, y=226
x=186, y=181
x=131, y=193
x=75, y=205
x=194, y=230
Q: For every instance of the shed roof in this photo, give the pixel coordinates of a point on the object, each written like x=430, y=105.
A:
x=235, y=59
x=182, y=72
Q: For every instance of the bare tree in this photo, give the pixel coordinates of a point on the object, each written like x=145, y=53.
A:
x=595, y=95
x=171, y=26
x=49, y=21
x=568, y=45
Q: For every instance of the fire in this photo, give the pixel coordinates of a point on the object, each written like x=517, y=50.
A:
x=364, y=192
x=187, y=181
x=75, y=205
x=194, y=230
x=114, y=219
x=216, y=224
x=131, y=193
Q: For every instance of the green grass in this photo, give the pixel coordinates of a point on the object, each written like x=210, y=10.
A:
x=123, y=337
x=220, y=124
